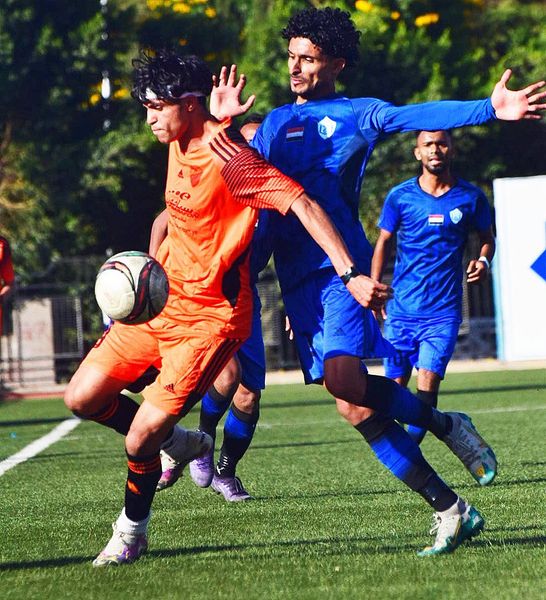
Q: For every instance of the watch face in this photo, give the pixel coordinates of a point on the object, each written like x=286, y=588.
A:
x=349, y=274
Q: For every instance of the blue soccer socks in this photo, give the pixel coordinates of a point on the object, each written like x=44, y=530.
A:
x=238, y=433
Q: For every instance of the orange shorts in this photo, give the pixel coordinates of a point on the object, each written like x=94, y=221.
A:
x=190, y=360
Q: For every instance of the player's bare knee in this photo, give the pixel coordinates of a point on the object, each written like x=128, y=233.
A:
x=247, y=401
x=137, y=442
x=77, y=400
x=226, y=383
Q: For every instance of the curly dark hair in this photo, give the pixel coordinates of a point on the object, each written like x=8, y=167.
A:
x=331, y=29
x=253, y=118
x=169, y=75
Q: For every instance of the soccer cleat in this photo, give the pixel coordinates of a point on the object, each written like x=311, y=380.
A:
x=231, y=488
x=453, y=529
x=202, y=469
x=471, y=449
x=123, y=548
x=196, y=444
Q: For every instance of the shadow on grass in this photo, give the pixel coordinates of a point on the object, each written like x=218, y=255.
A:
x=372, y=545
x=35, y=421
x=444, y=392
x=504, y=483
x=303, y=444
x=491, y=389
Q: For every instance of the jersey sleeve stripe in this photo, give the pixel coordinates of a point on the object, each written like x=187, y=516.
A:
x=256, y=183
x=227, y=137
x=224, y=152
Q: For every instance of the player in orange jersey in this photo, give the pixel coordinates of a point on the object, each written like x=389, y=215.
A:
x=215, y=186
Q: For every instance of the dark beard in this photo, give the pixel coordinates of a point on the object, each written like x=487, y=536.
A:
x=437, y=170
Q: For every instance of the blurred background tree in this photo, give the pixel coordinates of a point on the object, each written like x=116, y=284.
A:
x=80, y=173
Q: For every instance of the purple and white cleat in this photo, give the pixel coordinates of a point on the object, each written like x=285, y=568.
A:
x=123, y=548
x=202, y=469
x=193, y=445
x=231, y=488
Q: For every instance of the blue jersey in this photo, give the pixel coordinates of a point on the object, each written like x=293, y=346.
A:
x=262, y=243
x=431, y=237
x=325, y=145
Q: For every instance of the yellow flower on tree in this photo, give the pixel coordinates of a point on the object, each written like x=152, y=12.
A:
x=181, y=7
x=427, y=19
x=364, y=6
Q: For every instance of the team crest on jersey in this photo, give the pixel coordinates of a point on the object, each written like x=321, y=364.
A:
x=195, y=175
x=455, y=215
x=326, y=128
x=436, y=219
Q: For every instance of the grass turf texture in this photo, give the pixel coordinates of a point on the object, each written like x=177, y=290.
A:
x=328, y=520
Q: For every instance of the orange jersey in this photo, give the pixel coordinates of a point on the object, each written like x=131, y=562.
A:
x=6, y=266
x=213, y=194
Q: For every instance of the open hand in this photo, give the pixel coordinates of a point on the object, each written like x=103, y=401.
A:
x=513, y=105
x=225, y=98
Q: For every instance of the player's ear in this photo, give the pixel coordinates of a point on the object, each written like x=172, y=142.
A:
x=417, y=153
x=339, y=65
x=191, y=103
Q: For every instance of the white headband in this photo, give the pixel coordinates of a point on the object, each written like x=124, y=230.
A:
x=151, y=95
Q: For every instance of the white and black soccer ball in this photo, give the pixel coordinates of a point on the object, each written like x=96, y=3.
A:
x=131, y=287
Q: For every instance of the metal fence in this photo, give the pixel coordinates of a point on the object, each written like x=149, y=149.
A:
x=43, y=342
x=50, y=326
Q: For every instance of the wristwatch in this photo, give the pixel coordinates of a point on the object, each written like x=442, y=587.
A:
x=351, y=272
x=485, y=261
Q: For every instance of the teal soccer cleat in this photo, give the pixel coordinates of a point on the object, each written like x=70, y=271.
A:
x=452, y=529
x=471, y=449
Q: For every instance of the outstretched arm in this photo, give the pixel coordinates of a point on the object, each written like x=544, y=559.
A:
x=371, y=294
x=513, y=105
x=225, y=98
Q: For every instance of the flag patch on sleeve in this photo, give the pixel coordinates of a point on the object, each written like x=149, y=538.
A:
x=436, y=219
x=294, y=134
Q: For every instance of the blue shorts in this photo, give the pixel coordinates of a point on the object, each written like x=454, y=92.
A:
x=424, y=343
x=328, y=322
x=251, y=355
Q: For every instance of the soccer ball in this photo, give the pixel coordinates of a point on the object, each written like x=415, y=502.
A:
x=131, y=287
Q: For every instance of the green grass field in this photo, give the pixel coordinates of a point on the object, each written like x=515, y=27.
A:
x=327, y=522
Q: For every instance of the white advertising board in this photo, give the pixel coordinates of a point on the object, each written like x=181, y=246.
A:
x=519, y=267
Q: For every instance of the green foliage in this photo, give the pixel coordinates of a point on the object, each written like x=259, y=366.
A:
x=79, y=174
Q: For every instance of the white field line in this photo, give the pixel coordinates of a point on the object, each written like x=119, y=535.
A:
x=38, y=445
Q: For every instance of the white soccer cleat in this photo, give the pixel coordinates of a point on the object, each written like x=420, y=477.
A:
x=471, y=449
x=453, y=527
x=123, y=548
x=192, y=446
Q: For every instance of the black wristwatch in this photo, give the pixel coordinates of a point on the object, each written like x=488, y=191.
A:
x=351, y=272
